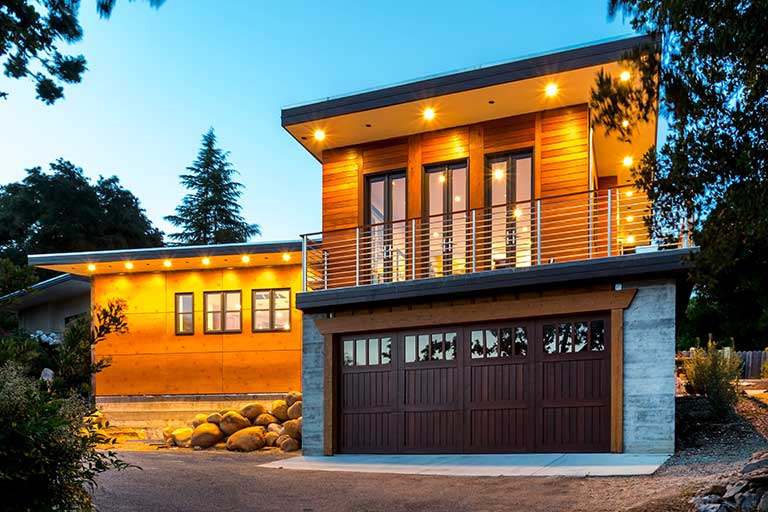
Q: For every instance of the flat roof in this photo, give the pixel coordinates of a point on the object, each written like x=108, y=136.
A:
x=56, y=288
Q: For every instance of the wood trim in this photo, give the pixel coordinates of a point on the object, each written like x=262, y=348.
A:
x=329, y=392
x=537, y=156
x=413, y=177
x=564, y=304
x=360, y=188
x=476, y=167
x=617, y=380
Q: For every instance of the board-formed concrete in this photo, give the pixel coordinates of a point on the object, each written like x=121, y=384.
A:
x=312, y=386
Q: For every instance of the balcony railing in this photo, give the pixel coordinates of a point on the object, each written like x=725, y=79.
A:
x=595, y=224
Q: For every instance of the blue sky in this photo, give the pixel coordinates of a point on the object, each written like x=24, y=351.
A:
x=158, y=79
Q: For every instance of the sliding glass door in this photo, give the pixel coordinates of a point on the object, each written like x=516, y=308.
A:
x=386, y=233
x=445, y=217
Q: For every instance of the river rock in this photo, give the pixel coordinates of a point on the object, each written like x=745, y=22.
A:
x=290, y=445
x=214, y=417
x=294, y=411
x=280, y=410
x=291, y=428
x=253, y=410
x=232, y=422
x=182, y=437
x=199, y=419
x=246, y=440
x=274, y=427
x=292, y=397
x=264, y=419
x=206, y=435
x=270, y=438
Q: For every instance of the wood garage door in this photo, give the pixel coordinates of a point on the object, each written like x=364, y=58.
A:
x=518, y=386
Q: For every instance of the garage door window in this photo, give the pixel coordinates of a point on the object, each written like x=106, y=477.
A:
x=570, y=337
x=503, y=342
x=368, y=351
x=439, y=346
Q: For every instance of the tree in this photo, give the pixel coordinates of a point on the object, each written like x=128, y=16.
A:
x=210, y=213
x=708, y=72
x=62, y=211
x=30, y=33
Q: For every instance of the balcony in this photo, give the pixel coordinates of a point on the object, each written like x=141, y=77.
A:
x=574, y=227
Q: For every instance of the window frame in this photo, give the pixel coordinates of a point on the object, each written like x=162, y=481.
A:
x=223, y=311
x=176, y=313
x=271, y=310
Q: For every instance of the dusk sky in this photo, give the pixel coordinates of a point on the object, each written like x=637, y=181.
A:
x=158, y=79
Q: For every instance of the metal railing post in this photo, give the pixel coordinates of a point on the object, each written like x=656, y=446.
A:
x=357, y=256
x=538, y=231
x=303, y=263
x=610, y=221
x=591, y=222
x=474, y=241
x=325, y=270
x=413, y=248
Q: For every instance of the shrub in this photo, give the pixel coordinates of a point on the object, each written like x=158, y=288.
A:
x=764, y=369
x=715, y=375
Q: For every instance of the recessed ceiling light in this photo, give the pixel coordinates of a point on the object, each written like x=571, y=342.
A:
x=625, y=123
x=128, y=265
x=206, y=261
x=491, y=102
x=367, y=125
x=167, y=263
x=319, y=135
x=625, y=76
x=551, y=89
x=245, y=259
x=628, y=160
x=91, y=267
x=429, y=113
x=286, y=256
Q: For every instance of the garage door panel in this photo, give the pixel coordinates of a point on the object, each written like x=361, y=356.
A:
x=431, y=387
x=373, y=432
x=498, y=429
x=574, y=429
x=497, y=384
x=437, y=431
x=368, y=390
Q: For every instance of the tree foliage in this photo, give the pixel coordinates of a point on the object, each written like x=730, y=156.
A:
x=708, y=73
x=210, y=212
x=63, y=211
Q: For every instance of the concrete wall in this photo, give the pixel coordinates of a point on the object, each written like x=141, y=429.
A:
x=312, y=387
x=649, y=367
x=50, y=316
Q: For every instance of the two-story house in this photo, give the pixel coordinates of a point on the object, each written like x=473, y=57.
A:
x=484, y=280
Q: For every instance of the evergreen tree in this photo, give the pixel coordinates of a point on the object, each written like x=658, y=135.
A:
x=210, y=212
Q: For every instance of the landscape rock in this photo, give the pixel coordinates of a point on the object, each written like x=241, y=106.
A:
x=291, y=428
x=264, y=419
x=233, y=421
x=716, y=489
x=705, y=500
x=292, y=398
x=270, y=438
x=214, y=417
x=763, y=505
x=220, y=446
x=246, y=440
x=755, y=463
x=294, y=411
x=253, y=410
x=199, y=420
x=280, y=410
x=713, y=507
x=274, y=427
x=747, y=502
x=289, y=445
x=734, y=489
x=182, y=437
x=168, y=434
x=281, y=439
x=206, y=435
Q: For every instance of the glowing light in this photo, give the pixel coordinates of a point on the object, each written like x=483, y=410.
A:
x=128, y=265
x=630, y=218
x=91, y=267
x=629, y=193
x=498, y=174
x=319, y=135
x=167, y=263
x=457, y=199
x=631, y=239
x=206, y=261
x=518, y=213
x=286, y=256
x=624, y=76
x=245, y=259
x=628, y=160
x=551, y=89
x=625, y=123
x=429, y=113
x=435, y=234
x=441, y=178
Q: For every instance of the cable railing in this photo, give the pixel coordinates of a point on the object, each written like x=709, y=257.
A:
x=573, y=227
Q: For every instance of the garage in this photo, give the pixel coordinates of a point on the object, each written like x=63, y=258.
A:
x=520, y=386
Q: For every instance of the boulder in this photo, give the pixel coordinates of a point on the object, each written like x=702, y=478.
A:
x=253, y=410
x=763, y=505
x=206, y=435
x=264, y=419
x=199, y=420
x=232, y=422
x=220, y=446
x=225, y=411
x=270, y=438
x=289, y=445
x=246, y=440
x=293, y=397
x=734, y=489
x=747, y=502
x=716, y=489
x=758, y=461
x=291, y=428
x=167, y=434
x=274, y=427
x=281, y=439
x=214, y=417
x=294, y=411
x=182, y=437
x=280, y=410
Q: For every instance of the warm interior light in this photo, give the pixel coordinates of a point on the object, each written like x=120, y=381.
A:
x=498, y=174
x=624, y=76
x=628, y=160
x=206, y=261
x=435, y=234
x=441, y=178
x=429, y=114
x=91, y=267
x=245, y=259
x=630, y=218
x=631, y=239
x=518, y=213
x=551, y=89
x=128, y=265
x=625, y=123
x=457, y=199
x=167, y=263
x=319, y=134
x=628, y=193
x=286, y=256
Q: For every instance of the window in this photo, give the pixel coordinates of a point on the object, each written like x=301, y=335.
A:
x=571, y=337
x=437, y=346
x=367, y=351
x=223, y=312
x=272, y=310
x=503, y=342
x=185, y=313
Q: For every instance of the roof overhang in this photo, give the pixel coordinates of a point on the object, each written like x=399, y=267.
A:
x=58, y=288
x=171, y=258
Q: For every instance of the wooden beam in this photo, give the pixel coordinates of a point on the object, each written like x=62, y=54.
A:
x=413, y=180
x=476, y=167
x=617, y=380
x=329, y=392
x=537, y=156
x=565, y=304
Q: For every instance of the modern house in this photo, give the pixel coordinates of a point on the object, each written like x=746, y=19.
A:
x=484, y=281
x=208, y=326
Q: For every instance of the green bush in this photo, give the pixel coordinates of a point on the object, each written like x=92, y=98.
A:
x=714, y=375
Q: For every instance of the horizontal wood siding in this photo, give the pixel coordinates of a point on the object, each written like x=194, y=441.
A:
x=385, y=156
x=445, y=145
x=340, y=188
x=509, y=134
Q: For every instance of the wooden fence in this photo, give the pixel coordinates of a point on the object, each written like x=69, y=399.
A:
x=751, y=362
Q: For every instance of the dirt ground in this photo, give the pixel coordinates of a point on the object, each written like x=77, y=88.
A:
x=184, y=480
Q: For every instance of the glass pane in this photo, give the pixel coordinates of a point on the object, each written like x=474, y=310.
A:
x=233, y=301
x=450, y=346
x=436, y=182
x=523, y=179
x=437, y=346
x=184, y=303
x=491, y=343
x=506, y=342
x=213, y=321
x=349, y=353
x=565, y=338
x=410, y=349
x=261, y=321
x=232, y=321
x=598, y=335
x=398, y=198
x=360, y=351
x=213, y=302
x=386, y=350
x=423, y=347
x=283, y=320
x=476, y=346
x=459, y=188
x=261, y=299
x=522, y=211
x=376, y=198
x=548, y=339
x=498, y=179
x=185, y=323
x=521, y=341
x=373, y=351
x=459, y=226
x=581, y=341
x=282, y=299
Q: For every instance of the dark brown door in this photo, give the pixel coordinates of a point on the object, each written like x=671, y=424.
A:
x=517, y=386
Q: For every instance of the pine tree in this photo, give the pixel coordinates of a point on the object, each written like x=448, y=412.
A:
x=210, y=212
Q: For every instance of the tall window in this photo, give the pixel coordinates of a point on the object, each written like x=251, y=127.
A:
x=223, y=312
x=385, y=214
x=185, y=313
x=272, y=310
x=445, y=204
